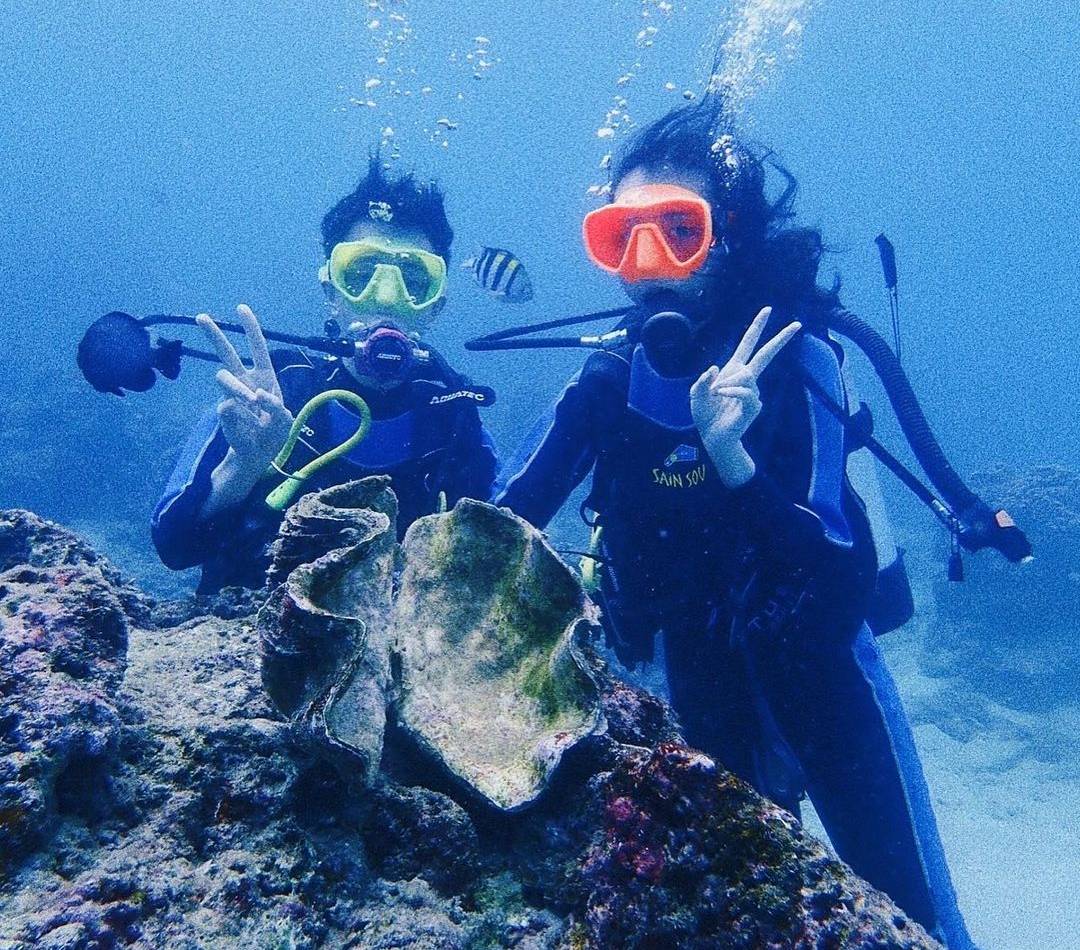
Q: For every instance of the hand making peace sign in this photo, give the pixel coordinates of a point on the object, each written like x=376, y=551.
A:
x=724, y=402
x=252, y=415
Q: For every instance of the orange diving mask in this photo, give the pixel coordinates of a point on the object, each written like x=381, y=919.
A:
x=653, y=232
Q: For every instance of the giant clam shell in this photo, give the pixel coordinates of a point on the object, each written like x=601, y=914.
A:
x=487, y=623
x=324, y=628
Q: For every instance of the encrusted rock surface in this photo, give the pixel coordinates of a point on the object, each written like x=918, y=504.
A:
x=63, y=650
x=172, y=805
x=29, y=541
x=691, y=857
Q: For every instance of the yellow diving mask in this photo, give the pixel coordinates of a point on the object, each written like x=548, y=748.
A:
x=396, y=282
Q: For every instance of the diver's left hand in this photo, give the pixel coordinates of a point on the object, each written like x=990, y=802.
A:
x=725, y=402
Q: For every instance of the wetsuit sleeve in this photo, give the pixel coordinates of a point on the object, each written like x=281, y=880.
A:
x=563, y=445
x=800, y=514
x=181, y=538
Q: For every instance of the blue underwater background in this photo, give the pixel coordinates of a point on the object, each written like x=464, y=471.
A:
x=178, y=157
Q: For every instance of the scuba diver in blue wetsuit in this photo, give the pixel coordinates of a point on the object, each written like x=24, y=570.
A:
x=728, y=537
x=386, y=248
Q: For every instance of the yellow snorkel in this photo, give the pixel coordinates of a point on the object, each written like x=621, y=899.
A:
x=284, y=495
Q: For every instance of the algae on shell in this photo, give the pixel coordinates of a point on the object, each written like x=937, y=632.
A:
x=485, y=623
x=488, y=624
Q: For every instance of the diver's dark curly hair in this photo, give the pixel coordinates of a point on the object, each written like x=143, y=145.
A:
x=772, y=257
x=412, y=204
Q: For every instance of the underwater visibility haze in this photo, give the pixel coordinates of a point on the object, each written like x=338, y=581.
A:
x=178, y=158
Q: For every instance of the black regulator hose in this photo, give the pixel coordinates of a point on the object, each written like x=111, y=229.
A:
x=973, y=523
x=906, y=406
x=979, y=525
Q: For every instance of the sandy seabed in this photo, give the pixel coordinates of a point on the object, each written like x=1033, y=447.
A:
x=1009, y=815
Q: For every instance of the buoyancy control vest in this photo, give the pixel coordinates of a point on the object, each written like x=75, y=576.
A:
x=671, y=531
x=972, y=523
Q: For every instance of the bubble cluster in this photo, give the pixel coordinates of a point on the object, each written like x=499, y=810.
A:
x=725, y=152
x=653, y=16
x=761, y=35
x=380, y=211
x=392, y=76
x=475, y=61
x=479, y=59
x=742, y=55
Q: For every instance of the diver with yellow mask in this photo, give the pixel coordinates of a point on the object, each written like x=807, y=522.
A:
x=386, y=246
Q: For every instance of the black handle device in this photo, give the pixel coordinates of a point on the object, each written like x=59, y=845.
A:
x=118, y=355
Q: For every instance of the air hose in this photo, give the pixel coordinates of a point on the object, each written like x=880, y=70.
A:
x=978, y=525
x=282, y=496
x=972, y=523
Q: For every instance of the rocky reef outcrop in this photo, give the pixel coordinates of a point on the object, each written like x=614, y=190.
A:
x=63, y=652
x=152, y=794
x=1012, y=629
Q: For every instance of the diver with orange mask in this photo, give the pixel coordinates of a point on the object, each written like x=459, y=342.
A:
x=386, y=246
x=729, y=549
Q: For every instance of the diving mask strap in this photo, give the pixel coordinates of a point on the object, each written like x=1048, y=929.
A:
x=283, y=496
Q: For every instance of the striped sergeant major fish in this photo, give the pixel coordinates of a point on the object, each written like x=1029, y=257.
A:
x=501, y=274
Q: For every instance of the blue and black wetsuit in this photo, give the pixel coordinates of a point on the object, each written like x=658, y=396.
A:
x=760, y=593
x=426, y=435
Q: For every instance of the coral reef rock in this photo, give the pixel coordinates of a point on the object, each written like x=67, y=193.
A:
x=1013, y=628
x=63, y=650
x=692, y=857
x=152, y=794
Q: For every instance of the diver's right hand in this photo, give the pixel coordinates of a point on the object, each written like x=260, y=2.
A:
x=725, y=402
x=253, y=416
